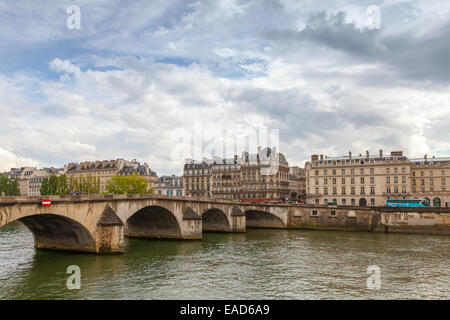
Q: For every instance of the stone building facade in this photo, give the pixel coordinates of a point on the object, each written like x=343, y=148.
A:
x=226, y=177
x=262, y=175
x=430, y=178
x=169, y=186
x=358, y=180
x=30, y=179
x=107, y=169
x=368, y=180
x=297, y=183
x=197, y=178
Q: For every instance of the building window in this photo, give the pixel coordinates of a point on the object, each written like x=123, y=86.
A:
x=372, y=180
x=363, y=190
x=344, y=202
x=362, y=180
x=314, y=213
x=353, y=202
x=372, y=170
x=333, y=213
x=372, y=190
x=372, y=202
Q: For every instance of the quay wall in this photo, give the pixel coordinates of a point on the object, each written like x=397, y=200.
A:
x=372, y=219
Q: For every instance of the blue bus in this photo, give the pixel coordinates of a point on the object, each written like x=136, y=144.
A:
x=408, y=203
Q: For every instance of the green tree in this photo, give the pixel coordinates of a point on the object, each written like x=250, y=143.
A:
x=9, y=187
x=133, y=184
x=50, y=186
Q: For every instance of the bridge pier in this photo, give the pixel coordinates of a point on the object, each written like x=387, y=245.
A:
x=238, y=220
x=110, y=230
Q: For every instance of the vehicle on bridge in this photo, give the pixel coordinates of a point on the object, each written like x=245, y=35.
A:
x=408, y=203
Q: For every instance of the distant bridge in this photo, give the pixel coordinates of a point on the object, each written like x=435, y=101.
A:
x=99, y=223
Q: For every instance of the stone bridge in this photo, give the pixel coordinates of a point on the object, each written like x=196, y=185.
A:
x=99, y=223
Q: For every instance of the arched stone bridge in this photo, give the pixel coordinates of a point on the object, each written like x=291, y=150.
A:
x=98, y=223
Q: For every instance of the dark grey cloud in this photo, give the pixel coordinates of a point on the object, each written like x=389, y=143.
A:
x=417, y=53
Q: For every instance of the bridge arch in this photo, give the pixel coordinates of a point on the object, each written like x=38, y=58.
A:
x=57, y=232
x=262, y=219
x=215, y=220
x=153, y=222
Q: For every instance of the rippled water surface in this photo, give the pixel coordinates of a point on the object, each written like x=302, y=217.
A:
x=260, y=264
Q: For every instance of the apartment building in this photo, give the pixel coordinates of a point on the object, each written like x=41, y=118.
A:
x=226, y=176
x=106, y=169
x=197, y=178
x=362, y=180
x=30, y=179
x=264, y=174
x=169, y=185
x=297, y=183
x=430, y=178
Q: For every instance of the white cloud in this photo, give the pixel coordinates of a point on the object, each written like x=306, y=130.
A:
x=9, y=160
x=129, y=79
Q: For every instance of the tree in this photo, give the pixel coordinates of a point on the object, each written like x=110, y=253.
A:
x=9, y=187
x=50, y=186
x=133, y=184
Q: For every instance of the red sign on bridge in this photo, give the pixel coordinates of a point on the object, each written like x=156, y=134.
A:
x=46, y=203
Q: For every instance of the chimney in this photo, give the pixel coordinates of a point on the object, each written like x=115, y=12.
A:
x=314, y=157
x=367, y=154
x=381, y=153
x=350, y=155
x=425, y=157
x=321, y=157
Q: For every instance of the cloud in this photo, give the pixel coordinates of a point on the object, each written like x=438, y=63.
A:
x=122, y=85
x=9, y=160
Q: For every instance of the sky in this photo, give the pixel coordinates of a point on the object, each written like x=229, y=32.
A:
x=142, y=79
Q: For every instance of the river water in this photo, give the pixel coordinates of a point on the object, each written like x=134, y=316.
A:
x=259, y=264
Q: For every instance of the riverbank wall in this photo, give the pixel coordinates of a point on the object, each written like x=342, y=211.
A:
x=379, y=219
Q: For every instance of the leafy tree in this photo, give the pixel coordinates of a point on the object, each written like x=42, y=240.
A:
x=133, y=184
x=9, y=187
